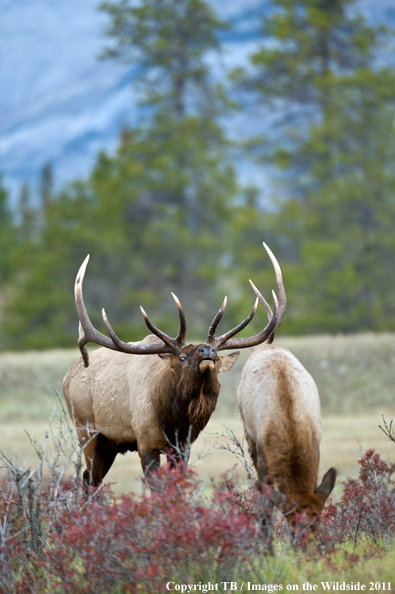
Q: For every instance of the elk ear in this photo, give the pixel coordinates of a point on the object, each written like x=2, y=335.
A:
x=168, y=358
x=226, y=362
x=326, y=486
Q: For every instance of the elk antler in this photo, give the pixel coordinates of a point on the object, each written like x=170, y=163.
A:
x=275, y=318
x=88, y=333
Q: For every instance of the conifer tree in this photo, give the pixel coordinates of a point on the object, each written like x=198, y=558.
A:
x=154, y=214
x=28, y=218
x=334, y=153
x=46, y=190
x=181, y=193
x=7, y=235
x=7, y=244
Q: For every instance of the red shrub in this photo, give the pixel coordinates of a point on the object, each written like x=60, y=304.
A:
x=123, y=544
x=132, y=541
x=367, y=506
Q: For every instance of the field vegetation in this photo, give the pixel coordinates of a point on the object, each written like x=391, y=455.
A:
x=354, y=375
x=167, y=212
x=59, y=543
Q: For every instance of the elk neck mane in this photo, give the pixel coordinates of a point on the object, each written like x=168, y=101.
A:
x=186, y=403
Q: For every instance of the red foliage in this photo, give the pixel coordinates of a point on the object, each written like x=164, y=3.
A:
x=132, y=542
x=135, y=540
x=367, y=506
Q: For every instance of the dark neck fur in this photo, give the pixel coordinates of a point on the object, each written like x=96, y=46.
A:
x=188, y=404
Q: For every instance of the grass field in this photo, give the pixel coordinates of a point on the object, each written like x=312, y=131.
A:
x=355, y=375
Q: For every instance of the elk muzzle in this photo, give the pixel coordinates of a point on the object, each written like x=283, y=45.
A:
x=206, y=358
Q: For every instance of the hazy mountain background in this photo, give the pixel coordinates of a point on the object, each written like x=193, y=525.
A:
x=59, y=104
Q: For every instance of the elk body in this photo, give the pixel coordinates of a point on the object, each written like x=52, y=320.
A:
x=280, y=407
x=147, y=395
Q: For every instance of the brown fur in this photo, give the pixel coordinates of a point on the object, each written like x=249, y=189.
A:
x=279, y=405
x=142, y=402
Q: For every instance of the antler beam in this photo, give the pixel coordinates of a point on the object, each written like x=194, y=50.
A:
x=88, y=333
x=275, y=318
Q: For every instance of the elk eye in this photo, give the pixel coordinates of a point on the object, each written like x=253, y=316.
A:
x=217, y=358
x=182, y=359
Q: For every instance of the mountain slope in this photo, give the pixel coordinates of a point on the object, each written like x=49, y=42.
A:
x=59, y=104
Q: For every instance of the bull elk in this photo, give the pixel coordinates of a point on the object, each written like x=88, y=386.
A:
x=120, y=400
x=280, y=408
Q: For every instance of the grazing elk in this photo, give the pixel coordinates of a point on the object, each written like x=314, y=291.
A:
x=280, y=407
x=121, y=401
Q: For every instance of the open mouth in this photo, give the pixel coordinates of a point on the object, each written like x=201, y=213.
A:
x=206, y=364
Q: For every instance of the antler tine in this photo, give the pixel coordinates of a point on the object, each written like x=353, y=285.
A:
x=268, y=309
x=82, y=345
x=242, y=343
x=262, y=300
x=275, y=305
x=225, y=337
x=215, y=322
x=182, y=329
x=275, y=317
x=171, y=342
x=88, y=333
x=127, y=347
x=282, y=298
x=121, y=346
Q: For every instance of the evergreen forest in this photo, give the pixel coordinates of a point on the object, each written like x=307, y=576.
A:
x=167, y=212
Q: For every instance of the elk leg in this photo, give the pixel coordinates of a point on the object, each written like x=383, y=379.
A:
x=260, y=462
x=99, y=454
x=265, y=509
x=258, y=458
x=150, y=461
x=252, y=451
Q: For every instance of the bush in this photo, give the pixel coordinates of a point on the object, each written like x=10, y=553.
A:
x=54, y=540
x=368, y=505
x=121, y=545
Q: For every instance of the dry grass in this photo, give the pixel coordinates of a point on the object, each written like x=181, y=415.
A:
x=344, y=438
x=29, y=382
x=353, y=372
x=355, y=376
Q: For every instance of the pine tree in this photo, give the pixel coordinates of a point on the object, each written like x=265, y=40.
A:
x=167, y=41
x=334, y=154
x=46, y=190
x=7, y=245
x=28, y=215
x=40, y=310
x=154, y=215
x=7, y=235
x=185, y=184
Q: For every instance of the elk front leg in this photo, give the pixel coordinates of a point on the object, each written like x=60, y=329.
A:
x=150, y=460
x=99, y=454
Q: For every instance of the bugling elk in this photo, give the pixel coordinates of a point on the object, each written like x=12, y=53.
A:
x=279, y=404
x=121, y=401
